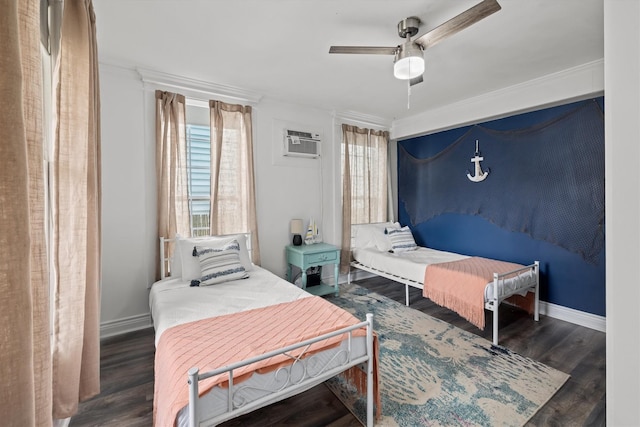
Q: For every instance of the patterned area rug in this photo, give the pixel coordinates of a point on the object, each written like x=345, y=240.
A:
x=434, y=374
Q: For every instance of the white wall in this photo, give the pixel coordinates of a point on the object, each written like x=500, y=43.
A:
x=125, y=263
x=622, y=194
x=286, y=188
x=291, y=187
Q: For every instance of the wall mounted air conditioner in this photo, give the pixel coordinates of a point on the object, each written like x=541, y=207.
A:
x=301, y=144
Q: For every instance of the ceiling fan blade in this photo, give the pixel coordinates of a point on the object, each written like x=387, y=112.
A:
x=458, y=23
x=372, y=50
x=416, y=80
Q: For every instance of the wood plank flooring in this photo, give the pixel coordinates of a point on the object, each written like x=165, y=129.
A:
x=127, y=373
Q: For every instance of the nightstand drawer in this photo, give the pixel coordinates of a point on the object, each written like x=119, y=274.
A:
x=322, y=257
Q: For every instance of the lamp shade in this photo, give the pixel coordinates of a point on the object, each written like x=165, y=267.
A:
x=296, y=226
x=409, y=62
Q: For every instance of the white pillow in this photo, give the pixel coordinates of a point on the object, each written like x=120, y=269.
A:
x=191, y=265
x=175, y=261
x=401, y=239
x=373, y=235
x=219, y=264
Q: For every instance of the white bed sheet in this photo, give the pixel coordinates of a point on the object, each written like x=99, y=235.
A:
x=174, y=302
x=412, y=264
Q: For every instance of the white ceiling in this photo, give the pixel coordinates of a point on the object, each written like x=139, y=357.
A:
x=279, y=48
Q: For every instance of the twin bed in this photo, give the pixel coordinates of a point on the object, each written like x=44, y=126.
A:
x=226, y=346
x=232, y=337
x=467, y=285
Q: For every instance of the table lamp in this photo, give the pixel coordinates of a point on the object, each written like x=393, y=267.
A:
x=296, y=230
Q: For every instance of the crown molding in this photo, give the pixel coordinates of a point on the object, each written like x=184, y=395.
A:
x=362, y=119
x=569, y=85
x=161, y=79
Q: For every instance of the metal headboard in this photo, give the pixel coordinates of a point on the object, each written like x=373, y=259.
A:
x=164, y=244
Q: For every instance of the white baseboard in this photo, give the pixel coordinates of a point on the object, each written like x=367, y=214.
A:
x=582, y=318
x=356, y=274
x=61, y=423
x=128, y=324
x=577, y=317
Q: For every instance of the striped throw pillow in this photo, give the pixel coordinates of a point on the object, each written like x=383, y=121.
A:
x=219, y=264
x=401, y=239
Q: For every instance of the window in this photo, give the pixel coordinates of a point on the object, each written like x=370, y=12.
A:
x=368, y=174
x=199, y=178
x=220, y=188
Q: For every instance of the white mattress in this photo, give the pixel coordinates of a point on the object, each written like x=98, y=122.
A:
x=174, y=302
x=408, y=265
x=412, y=264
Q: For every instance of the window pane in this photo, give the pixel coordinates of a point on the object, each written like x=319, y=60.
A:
x=199, y=177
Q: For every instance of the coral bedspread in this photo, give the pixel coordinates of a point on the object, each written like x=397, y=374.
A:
x=219, y=341
x=459, y=286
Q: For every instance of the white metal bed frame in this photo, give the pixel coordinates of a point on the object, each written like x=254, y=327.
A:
x=237, y=405
x=165, y=261
x=492, y=304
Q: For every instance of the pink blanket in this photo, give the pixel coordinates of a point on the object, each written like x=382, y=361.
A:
x=459, y=285
x=219, y=341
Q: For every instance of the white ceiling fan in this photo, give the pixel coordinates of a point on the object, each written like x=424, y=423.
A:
x=409, y=59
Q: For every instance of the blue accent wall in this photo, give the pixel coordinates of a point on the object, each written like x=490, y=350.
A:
x=567, y=278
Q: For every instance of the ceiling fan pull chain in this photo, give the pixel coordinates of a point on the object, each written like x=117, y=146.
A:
x=408, y=94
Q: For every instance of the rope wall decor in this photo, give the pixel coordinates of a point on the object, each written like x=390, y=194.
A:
x=547, y=180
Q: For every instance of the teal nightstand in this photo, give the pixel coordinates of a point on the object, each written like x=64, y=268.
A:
x=318, y=254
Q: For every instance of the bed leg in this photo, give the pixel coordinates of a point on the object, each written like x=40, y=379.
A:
x=495, y=323
x=496, y=304
x=536, y=306
x=348, y=276
x=370, y=370
x=406, y=295
x=193, y=397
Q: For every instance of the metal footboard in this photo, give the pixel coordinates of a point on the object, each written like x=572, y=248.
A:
x=530, y=276
x=309, y=377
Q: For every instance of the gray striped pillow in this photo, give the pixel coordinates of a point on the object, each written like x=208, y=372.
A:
x=401, y=239
x=219, y=264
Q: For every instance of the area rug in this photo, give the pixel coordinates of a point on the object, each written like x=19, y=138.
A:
x=434, y=374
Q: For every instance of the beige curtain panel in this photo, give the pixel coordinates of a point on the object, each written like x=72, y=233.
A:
x=46, y=368
x=364, y=182
x=171, y=168
x=75, y=207
x=25, y=362
x=233, y=195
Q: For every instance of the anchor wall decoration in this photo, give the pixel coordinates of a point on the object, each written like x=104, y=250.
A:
x=479, y=175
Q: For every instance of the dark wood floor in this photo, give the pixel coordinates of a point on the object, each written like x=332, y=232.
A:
x=127, y=373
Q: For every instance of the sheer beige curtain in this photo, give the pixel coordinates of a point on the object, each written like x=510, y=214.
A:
x=25, y=355
x=233, y=195
x=75, y=206
x=171, y=167
x=46, y=368
x=364, y=182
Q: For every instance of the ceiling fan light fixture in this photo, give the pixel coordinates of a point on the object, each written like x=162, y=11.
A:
x=409, y=62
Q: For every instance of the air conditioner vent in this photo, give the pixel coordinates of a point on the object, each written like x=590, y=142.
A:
x=301, y=143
